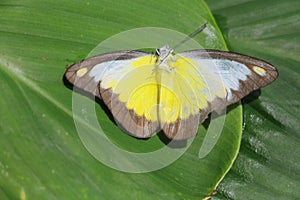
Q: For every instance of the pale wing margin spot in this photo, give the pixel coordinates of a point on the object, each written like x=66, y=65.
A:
x=260, y=71
x=81, y=72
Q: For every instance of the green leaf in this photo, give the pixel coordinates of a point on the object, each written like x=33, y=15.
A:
x=42, y=156
x=268, y=163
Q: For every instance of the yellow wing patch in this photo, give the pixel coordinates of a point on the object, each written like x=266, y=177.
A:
x=144, y=101
x=144, y=60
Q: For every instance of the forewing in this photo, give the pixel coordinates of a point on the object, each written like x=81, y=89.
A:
x=238, y=74
x=88, y=73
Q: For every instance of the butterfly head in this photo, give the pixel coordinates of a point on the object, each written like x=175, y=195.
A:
x=164, y=55
x=163, y=52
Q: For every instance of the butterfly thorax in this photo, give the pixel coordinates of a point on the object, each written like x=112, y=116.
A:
x=165, y=58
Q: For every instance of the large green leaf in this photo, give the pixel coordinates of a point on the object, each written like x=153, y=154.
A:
x=268, y=164
x=41, y=155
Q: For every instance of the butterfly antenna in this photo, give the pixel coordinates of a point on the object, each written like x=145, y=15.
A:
x=196, y=32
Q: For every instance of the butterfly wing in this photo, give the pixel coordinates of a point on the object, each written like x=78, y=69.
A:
x=212, y=80
x=131, y=93
x=121, y=81
x=186, y=96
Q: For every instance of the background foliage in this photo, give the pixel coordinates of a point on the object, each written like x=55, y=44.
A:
x=41, y=155
x=268, y=163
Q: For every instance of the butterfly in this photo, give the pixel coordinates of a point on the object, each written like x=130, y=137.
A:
x=173, y=92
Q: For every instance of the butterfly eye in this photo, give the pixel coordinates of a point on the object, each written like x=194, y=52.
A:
x=157, y=52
